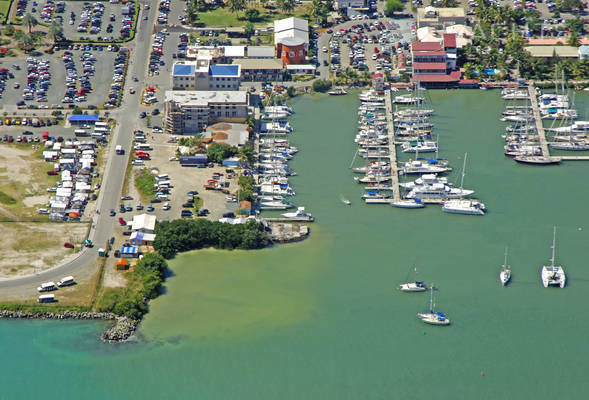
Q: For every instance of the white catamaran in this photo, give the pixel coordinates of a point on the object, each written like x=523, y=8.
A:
x=553, y=275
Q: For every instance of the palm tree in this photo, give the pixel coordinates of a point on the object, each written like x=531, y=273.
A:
x=286, y=6
x=237, y=5
x=26, y=42
x=55, y=31
x=30, y=21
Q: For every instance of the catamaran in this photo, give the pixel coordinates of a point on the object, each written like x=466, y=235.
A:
x=505, y=274
x=553, y=275
x=432, y=317
x=421, y=146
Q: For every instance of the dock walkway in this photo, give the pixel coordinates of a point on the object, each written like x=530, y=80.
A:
x=538, y=120
x=392, y=147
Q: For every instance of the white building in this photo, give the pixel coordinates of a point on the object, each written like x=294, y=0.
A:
x=202, y=75
x=190, y=112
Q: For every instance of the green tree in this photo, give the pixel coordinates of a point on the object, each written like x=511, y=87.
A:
x=573, y=39
x=321, y=85
x=55, y=31
x=286, y=6
x=249, y=28
x=25, y=42
x=575, y=25
x=8, y=30
x=217, y=152
x=291, y=91
x=29, y=21
x=247, y=152
x=236, y=6
x=393, y=6
x=252, y=15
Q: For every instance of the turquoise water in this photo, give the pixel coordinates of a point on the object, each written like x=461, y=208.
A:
x=321, y=319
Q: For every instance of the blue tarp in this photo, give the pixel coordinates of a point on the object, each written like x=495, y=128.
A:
x=132, y=250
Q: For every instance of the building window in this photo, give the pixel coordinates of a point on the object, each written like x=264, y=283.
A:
x=234, y=114
x=300, y=53
x=226, y=113
x=291, y=54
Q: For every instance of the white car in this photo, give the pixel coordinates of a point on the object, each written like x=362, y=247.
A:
x=173, y=159
x=166, y=206
x=324, y=49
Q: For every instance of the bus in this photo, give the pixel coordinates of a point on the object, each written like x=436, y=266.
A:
x=46, y=298
x=80, y=132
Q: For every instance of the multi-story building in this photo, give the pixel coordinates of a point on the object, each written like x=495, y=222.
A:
x=440, y=18
x=201, y=75
x=434, y=63
x=190, y=112
x=291, y=38
x=261, y=70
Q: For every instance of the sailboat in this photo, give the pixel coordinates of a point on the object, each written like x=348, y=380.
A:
x=463, y=206
x=417, y=286
x=432, y=317
x=553, y=275
x=505, y=274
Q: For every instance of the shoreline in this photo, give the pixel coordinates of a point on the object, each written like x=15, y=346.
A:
x=122, y=330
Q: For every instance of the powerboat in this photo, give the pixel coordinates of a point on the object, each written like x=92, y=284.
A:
x=408, y=203
x=298, y=214
x=464, y=206
x=421, y=146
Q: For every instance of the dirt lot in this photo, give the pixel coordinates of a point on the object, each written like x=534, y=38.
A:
x=23, y=182
x=28, y=248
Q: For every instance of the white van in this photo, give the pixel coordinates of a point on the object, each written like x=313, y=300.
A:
x=80, y=132
x=47, y=287
x=162, y=177
x=104, y=131
x=97, y=135
x=143, y=146
x=119, y=149
x=46, y=298
x=67, y=281
x=100, y=124
x=162, y=196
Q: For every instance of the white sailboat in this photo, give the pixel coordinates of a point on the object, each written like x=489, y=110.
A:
x=432, y=317
x=461, y=205
x=417, y=286
x=345, y=201
x=505, y=274
x=553, y=275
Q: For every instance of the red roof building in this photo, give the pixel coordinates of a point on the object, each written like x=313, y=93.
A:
x=434, y=63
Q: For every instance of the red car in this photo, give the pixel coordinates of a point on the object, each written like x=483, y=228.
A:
x=122, y=221
x=68, y=245
x=52, y=172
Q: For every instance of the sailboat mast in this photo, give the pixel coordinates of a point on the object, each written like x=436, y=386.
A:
x=505, y=260
x=463, y=167
x=431, y=299
x=553, y=246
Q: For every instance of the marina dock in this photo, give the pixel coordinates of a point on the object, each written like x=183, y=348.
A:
x=538, y=120
x=392, y=147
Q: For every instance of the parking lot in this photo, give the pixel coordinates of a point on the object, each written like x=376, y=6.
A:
x=183, y=180
x=84, y=20
x=56, y=90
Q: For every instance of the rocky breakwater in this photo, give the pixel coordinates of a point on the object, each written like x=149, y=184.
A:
x=284, y=233
x=122, y=329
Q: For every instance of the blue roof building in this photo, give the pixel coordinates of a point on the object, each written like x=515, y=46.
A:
x=184, y=69
x=225, y=70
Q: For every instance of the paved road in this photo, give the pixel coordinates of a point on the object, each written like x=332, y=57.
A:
x=112, y=182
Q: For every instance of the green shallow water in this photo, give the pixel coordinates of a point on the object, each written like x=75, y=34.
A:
x=321, y=319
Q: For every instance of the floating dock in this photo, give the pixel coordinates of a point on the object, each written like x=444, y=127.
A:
x=538, y=120
x=392, y=148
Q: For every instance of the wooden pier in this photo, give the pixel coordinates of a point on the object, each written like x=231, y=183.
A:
x=538, y=120
x=297, y=219
x=392, y=148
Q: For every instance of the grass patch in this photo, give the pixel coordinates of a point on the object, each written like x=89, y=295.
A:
x=197, y=203
x=144, y=182
x=35, y=241
x=223, y=17
x=4, y=7
x=7, y=199
x=34, y=307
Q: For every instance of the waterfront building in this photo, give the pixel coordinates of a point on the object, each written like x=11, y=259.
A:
x=291, y=38
x=434, y=63
x=190, y=112
x=305, y=69
x=553, y=51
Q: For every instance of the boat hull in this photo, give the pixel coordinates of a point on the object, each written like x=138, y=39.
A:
x=433, y=319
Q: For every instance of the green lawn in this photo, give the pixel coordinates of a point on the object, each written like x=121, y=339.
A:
x=221, y=17
x=4, y=6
